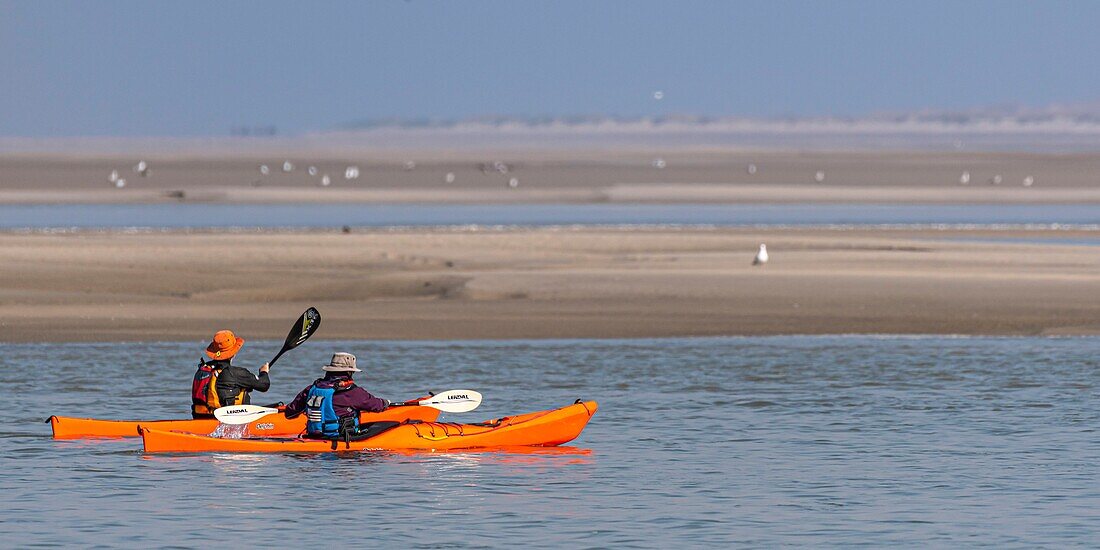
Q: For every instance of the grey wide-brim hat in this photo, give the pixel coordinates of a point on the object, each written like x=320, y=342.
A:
x=341, y=362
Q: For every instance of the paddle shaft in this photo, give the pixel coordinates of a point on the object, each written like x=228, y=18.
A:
x=278, y=355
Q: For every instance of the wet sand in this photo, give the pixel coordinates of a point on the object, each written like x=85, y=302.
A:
x=542, y=283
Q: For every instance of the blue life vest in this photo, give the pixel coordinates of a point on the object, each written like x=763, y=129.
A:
x=321, y=419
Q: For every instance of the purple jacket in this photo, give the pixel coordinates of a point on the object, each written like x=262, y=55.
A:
x=345, y=403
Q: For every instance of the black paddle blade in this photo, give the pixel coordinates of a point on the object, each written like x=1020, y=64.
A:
x=307, y=324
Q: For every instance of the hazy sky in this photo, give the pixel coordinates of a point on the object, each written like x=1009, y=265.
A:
x=200, y=68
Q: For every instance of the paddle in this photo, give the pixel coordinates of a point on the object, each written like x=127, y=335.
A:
x=453, y=401
x=242, y=414
x=307, y=324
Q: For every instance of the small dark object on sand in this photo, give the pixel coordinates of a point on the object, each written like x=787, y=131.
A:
x=346, y=229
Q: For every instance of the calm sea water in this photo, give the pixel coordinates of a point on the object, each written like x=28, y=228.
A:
x=806, y=441
x=335, y=215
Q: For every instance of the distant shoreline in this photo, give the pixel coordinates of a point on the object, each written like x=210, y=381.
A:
x=1057, y=130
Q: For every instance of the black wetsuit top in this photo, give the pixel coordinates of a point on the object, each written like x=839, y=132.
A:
x=233, y=379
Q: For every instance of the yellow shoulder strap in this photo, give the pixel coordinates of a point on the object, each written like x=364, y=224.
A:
x=212, y=400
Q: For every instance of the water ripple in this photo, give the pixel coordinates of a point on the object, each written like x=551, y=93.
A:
x=807, y=441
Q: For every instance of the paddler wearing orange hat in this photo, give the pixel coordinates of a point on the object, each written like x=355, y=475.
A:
x=218, y=383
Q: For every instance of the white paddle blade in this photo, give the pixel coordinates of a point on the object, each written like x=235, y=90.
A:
x=242, y=414
x=453, y=401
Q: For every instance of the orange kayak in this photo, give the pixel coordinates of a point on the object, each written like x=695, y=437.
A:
x=545, y=428
x=65, y=427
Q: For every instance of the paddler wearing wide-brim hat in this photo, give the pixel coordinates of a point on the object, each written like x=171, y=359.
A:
x=218, y=383
x=332, y=404
x=341, y=362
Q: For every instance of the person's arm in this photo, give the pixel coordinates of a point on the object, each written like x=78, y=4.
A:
x=297, y=406
x=361, y=400
x=259, y=383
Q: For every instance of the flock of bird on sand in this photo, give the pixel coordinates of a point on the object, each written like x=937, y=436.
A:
x=352, y=172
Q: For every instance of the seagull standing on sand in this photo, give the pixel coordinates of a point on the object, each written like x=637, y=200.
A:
x=761, y=255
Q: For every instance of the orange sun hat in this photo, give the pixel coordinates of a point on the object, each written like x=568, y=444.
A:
x=224, y=345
